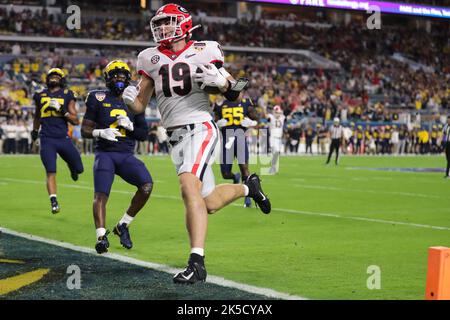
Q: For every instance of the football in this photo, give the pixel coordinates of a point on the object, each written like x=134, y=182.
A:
x=207, y=89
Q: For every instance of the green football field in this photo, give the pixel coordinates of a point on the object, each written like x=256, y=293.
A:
x=328, y=225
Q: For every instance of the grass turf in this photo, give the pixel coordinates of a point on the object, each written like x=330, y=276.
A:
x=328, y=224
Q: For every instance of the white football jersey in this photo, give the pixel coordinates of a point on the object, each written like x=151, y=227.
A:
x=276, y=125
x=179, y=99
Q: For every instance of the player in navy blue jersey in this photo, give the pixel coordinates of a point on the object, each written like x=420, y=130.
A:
x=55, y=107
x=233, y=119
x=116, y=129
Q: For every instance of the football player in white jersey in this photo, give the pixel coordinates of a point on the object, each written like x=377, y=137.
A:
x=276, y=128
x=177, y=72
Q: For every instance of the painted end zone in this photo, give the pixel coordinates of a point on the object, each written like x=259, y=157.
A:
x=32, y=267
x=100, y=278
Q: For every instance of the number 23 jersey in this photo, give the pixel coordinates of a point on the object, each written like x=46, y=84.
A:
x=179, y=99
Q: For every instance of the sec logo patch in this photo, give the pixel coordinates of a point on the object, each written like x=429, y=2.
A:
x=155, y=59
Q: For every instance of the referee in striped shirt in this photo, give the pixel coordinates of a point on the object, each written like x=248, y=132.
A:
x=446, y=141
x=336, y=132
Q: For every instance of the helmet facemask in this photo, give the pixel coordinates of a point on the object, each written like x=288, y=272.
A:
x=167, y=27
x=54, y=80
x=117, y=81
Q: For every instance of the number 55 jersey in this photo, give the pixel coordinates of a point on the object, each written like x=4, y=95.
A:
x=179, y=99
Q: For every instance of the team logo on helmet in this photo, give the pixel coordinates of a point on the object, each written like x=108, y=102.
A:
x=182, y=9
x=100, y=96
x=155, y=59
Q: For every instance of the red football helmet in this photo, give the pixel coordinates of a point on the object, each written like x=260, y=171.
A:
x=171, y=22
x=277, y=110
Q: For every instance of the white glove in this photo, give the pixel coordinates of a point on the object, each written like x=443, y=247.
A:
x=55, y=105
x=211, y=77
x=129, y=95
x=247, y=122
x=107, y=134
x=222, y=123
x=125, y=122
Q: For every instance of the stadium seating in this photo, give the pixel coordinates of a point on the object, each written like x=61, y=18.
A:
x=397, y=72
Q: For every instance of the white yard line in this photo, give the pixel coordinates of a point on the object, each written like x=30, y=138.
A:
x=408, y=194
x=339, y=216
x=159, y=267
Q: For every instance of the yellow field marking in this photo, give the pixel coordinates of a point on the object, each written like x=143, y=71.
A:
x=15, y=283
x=11, y=261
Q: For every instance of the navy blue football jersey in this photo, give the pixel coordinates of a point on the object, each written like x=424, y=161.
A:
x=103, y=107
x=53, y=123
x=233, y=112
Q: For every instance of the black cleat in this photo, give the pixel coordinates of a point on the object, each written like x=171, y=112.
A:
x=194, y=272
x=124, y=235
x=55, y=206
x=256, y=193
x=102, y=244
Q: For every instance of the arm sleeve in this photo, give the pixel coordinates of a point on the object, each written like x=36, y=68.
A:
x=140, y=128
x=91, y=107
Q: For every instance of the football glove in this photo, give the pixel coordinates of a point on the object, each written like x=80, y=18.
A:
x=110, y=134
x=125, y=122
x=55, y=105
x=222, y=123
x=211, y=77
x=129, y=95
x=247, y=122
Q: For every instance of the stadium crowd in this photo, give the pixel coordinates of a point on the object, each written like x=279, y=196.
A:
x=370, y=86
x=371, y=70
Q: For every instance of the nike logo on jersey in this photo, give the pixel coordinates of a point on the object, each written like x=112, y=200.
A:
x=190, y=55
